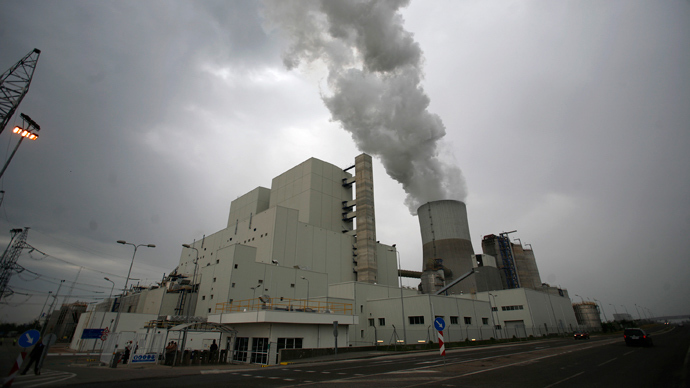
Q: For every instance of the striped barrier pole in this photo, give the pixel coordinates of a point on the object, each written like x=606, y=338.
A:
x=442, y=346
x=15, y=369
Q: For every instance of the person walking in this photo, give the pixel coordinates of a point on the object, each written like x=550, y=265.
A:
x=214, y=352
x=35, y=358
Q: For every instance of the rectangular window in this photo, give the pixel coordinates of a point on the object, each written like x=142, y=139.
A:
x=468, y=320
x=371, y=321
x=382, y=321
x=203, y=297
x=417, y=320
x=211, y=296
x=214, y=280
x=233, y=285
x=485, y=321
x=453, y=320
x=494, y=309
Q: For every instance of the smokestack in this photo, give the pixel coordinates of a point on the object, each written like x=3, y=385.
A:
x=447, y=249
x=374, y=87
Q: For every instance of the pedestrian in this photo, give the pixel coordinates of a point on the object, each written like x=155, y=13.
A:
x=170, y=353
x=35, y=358
x=214, y=351
x=128, y=350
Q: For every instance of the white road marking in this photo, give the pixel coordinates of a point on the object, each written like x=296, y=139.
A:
x=565, y=379
x=606, y=362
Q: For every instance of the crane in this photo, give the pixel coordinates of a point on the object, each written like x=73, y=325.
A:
x=14, y=84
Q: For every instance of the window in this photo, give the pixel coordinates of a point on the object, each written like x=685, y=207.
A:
x=485, y=321
x=417, y=320
x=453, y=320
x=292, y=285
x=217, y=261
x=209, y=310
x=382, y=321
x=260, y=281
x=214, y=280
x=498, y=327
x=371, y=321
x=211, y=296
x=233, y=285
x=235, y=265
x=361, y=333
x=361, y=308
x=203, y=297
x=494, y=309
x=468, y=320
x=512, y=308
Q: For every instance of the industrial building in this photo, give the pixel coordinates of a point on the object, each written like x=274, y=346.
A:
x=300, y=259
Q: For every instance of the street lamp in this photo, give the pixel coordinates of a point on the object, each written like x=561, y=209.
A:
x=491, y=308
x=602, y=310
x=194, y=276
x=583, y=300
x=402, y=301
x=307, y=305
x=119, y=309
x=25, y=133
x=110, y=304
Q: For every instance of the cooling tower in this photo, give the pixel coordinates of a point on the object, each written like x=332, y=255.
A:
x=446, y=244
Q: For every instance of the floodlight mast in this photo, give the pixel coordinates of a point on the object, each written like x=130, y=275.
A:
x=14, y=84
x=28, y=131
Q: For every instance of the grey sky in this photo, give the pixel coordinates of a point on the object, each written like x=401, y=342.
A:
x=569, y=120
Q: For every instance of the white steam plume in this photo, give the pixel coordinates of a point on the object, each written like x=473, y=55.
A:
x=374, y=75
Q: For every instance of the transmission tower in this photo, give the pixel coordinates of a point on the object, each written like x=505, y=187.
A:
x=8, y=264
x=14, y=84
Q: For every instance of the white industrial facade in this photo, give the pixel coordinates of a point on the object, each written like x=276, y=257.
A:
x=286, y=268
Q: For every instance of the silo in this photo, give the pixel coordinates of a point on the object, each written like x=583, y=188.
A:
x=446, y=242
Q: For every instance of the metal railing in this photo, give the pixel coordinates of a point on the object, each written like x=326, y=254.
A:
x=284, y=304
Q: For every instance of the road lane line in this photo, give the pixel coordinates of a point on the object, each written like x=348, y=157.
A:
x=606, y=362
x=565, y=379
x=686, y=363
x=625, y=354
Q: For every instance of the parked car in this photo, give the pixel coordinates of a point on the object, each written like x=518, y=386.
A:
x=636, y=336
x=581, y=335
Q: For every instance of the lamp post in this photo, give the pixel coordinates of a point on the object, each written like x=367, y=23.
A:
x=307, y=305
x=110, y=307
x=50, y=293
x=491, y=309
x=602, y=310
x=119, y=309
x=638, y=312
x=196, y=261
x=25, y=133
x=50, y=309
x=626, y=310
x=402, y=301
x=581, y=298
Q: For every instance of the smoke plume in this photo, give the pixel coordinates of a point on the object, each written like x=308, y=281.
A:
x=374, y=75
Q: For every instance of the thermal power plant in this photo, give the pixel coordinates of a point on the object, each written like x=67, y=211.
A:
x=301, y=258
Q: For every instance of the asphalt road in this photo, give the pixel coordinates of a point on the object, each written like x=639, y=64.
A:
x=600, y=362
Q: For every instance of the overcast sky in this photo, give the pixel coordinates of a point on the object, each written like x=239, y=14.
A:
x=570, y=122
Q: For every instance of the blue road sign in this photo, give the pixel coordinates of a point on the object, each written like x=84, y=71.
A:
x=439, y=324
x=92, y=333
x=29, y=338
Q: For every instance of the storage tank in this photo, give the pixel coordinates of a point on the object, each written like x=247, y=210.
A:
x=587, y=315
x=446, y=241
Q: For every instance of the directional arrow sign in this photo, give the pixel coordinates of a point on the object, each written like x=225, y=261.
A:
x=439, y=324
x=29, y=338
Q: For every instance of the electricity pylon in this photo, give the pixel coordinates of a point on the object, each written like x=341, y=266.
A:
x=9, y=259
x=14, y=84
